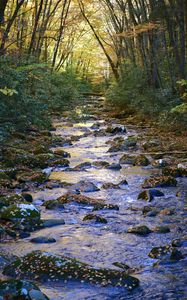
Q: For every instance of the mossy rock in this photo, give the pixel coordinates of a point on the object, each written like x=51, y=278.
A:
x=175, y=171
x=100, y=164
x=11, y=199
x=141, y=160
x=95, y=218
x=161, y=229
x=20, y=289
x=52, y=204
x=38, y=177
x=127, y=159
x=158, y=252
x=21, y=212
x=62, y=153
x=149, y=195
x=160, y=181
x=45, y=266
x=84, y=200
x=140, y=230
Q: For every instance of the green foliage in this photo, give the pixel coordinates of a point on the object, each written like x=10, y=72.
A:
x=29, y=92
x=133, y=91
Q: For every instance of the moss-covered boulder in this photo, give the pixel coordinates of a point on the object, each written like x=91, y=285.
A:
x=20, y=289
x=159, y=181
x=6, y=201
x=45, y=266
x=21, y=212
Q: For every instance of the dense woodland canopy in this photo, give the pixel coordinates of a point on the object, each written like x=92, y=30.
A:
x=135, y=49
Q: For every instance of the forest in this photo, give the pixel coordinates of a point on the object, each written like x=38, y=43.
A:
x=93, y=149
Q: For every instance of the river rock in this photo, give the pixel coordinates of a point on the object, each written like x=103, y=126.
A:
x=161, y=229
x=114, y=166
x=149, y=195
x=20, y=289
x=140, y=230
x=21, y=212
x=6, y=201
x=116, y=130
x=176, y=171
x=43, y=240
x=85, y=187
x=45, y=266
x=52, y=222
x=52, y=204
x=32, y=176
x=158, y=252
x=100, y=164
x=62, y=153
x=84, y=200
x=96, y=218
x=159, y=181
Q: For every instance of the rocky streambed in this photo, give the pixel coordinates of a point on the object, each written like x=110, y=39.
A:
x=93, y=210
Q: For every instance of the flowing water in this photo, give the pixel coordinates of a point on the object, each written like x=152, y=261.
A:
x=101, y=245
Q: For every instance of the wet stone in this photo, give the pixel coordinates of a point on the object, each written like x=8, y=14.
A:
x=160, y=181
x=43, y=240
x=100, y=164
x=96, y=218
x=52, y=204
x=139, y=230
x=45, y=266
x=158, y=252
x=52, y=222
x=161, y=229
x=85, y=187
x=149, y=195
x=114, y=167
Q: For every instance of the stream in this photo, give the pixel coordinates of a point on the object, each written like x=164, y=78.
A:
x=100, y=245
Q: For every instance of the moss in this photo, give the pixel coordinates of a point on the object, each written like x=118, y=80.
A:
x=44, y=266
x=12, y=199
x=20, y=212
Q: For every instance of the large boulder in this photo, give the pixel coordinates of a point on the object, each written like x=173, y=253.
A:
x=21, y=213
x=6, y=201
x=47, y=266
